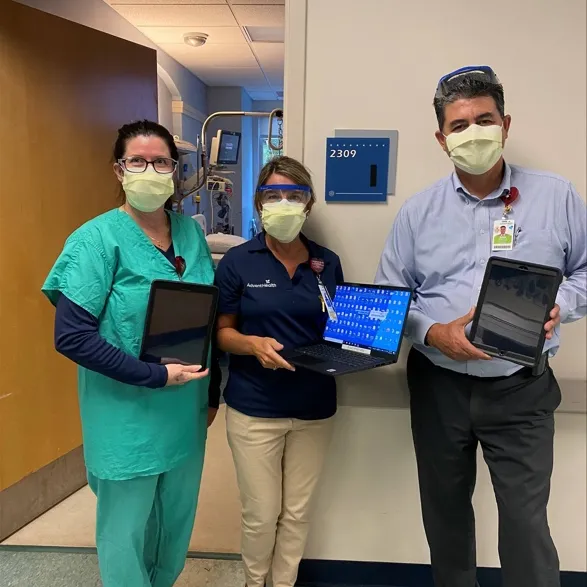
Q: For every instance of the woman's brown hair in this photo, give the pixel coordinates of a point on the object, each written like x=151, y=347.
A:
x=290, y=168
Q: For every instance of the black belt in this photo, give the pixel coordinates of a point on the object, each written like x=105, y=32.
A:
x=524, y=372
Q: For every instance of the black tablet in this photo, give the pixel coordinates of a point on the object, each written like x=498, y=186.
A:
x=179, y=323
x=514, y=305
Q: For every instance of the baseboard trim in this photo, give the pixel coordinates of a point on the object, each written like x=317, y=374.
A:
x=38, y=492
x=326, y=573
x=222, y=556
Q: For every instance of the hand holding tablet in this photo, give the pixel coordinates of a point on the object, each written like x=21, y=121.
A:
x=450, y=340
x=180, y=374
x=516, y=311
x=178, y=328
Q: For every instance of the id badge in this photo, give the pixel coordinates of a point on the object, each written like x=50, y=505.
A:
x=502, y=237
x=327, y=302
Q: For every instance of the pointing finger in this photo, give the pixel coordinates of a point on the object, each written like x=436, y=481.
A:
x=280, y=362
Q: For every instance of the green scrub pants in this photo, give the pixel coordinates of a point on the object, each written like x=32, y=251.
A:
x=144, y=525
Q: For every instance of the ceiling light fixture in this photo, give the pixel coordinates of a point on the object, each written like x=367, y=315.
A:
x=195, y=39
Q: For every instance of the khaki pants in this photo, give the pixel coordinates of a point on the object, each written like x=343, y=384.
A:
x=278, y=463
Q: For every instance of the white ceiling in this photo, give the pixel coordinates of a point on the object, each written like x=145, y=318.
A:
x=229, y=57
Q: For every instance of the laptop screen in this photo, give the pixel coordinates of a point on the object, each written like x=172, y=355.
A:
x=368, y=317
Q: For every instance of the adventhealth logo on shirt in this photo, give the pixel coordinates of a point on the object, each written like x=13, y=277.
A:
x=266, y=284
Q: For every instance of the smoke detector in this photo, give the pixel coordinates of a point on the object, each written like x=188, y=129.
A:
x=195, y=39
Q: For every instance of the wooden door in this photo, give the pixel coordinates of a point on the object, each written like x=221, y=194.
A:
x=65, y=89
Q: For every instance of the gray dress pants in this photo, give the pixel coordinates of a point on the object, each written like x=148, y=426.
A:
x=512, y=418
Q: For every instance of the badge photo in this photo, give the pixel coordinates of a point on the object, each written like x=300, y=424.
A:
x=502, y=237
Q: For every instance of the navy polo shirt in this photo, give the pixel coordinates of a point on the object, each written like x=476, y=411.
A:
x=257, y=288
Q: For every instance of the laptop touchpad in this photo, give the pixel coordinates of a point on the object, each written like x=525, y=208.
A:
x=307, y=360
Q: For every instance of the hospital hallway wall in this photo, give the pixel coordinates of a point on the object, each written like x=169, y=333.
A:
x=65, y=89
x=368, y=509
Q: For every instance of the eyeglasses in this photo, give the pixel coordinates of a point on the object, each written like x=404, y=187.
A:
x=140, y=164
x=295, y=194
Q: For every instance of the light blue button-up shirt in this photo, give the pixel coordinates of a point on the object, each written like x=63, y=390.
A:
x=441, y=240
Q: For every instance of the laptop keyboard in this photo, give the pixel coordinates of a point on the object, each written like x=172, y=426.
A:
x=323, y=351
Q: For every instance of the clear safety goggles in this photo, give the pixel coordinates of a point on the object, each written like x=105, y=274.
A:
x=295, y=194
x=481, y=72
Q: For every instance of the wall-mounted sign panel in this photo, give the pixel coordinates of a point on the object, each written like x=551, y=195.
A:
x=357, y=169
x=392, y=135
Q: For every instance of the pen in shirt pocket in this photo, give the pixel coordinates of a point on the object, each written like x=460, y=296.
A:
x=518, y=231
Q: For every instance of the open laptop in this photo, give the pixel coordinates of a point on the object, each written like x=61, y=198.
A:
x=367, y=333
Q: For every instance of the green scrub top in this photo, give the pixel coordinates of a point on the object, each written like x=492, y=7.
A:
x=107, y=267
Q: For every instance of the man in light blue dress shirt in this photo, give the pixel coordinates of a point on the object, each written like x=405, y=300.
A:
x=439, y=246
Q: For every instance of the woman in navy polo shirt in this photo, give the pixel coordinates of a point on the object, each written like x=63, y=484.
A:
x=279, y=420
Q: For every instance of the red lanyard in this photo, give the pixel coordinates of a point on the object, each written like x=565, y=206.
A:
x=509, y=199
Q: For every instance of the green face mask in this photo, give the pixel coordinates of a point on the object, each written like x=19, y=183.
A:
x=148, y=191
x=477, y=149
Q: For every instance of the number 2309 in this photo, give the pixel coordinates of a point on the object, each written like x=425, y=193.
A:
x=340, y=154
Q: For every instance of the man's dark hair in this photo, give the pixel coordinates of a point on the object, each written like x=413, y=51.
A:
x=467, y=87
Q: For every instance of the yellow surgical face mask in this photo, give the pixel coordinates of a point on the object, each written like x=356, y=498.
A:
x=283, y=220
x=477, y=149
x=147, y=191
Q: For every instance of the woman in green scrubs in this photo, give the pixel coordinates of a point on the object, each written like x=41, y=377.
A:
x=144, y=425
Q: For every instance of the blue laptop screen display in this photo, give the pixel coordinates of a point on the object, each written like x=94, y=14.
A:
x=368, y=317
